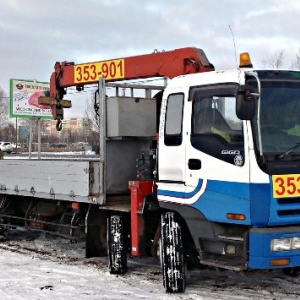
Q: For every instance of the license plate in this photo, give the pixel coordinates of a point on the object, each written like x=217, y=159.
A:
x=110, y=70
x=286, y=185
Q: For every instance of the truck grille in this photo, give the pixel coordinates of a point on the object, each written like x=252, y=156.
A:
x=289, y=212
x=288, y=200
x=288, y=207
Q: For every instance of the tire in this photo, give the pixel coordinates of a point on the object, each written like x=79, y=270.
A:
x=116, y=245
x=172, y=255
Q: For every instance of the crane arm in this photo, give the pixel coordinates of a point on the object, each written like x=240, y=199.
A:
x=158, y=64
x=169, y=63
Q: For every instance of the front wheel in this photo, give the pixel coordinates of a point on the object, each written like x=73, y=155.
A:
x=116, y=245
x=172, y=256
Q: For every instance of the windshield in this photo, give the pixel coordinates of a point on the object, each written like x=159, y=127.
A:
x=279, y=113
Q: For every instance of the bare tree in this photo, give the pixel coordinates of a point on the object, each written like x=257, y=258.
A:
x=91, y=114
x=7, y=129
x=4, y=113
x=296, y=63
x=276, y=61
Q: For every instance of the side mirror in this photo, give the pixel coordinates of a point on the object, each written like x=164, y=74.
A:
x=245, y=102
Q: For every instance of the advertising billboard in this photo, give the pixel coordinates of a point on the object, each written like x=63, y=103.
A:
x=24, y=96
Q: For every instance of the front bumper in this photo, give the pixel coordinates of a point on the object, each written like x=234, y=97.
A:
x=260, y=254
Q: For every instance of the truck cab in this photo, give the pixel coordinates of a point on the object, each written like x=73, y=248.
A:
x=228, y=171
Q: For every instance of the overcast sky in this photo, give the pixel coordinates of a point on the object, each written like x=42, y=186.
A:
x=37, y=33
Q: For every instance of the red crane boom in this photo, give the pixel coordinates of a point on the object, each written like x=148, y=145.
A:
x=165, y=64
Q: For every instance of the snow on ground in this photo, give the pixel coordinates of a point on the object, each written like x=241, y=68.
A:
x=29, y=277
x=36, y=267
x=53, y=155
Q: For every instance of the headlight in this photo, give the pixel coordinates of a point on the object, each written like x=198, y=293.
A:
x=296, y=243
x=285, y=244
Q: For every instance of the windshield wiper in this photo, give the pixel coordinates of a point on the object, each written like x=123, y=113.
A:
x=284, y=154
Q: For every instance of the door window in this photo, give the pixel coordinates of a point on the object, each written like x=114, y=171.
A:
x=173, y=127
x=216, y=130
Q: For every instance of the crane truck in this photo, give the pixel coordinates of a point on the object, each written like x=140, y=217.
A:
x=206, y=172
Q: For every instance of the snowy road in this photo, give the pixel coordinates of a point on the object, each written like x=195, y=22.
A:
x=29, y=277
x=38, y=268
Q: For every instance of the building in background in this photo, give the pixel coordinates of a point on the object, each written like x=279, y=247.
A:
x=74, y=130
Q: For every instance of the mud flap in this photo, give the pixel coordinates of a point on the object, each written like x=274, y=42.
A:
x=96, y=233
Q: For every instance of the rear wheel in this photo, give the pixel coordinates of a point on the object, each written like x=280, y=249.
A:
x=116, y=245
x=172, y=256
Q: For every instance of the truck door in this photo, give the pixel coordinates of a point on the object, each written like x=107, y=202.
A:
x=171, y=145
x=215, y=155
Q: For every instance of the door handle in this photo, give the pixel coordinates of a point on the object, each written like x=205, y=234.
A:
x=194, y=164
